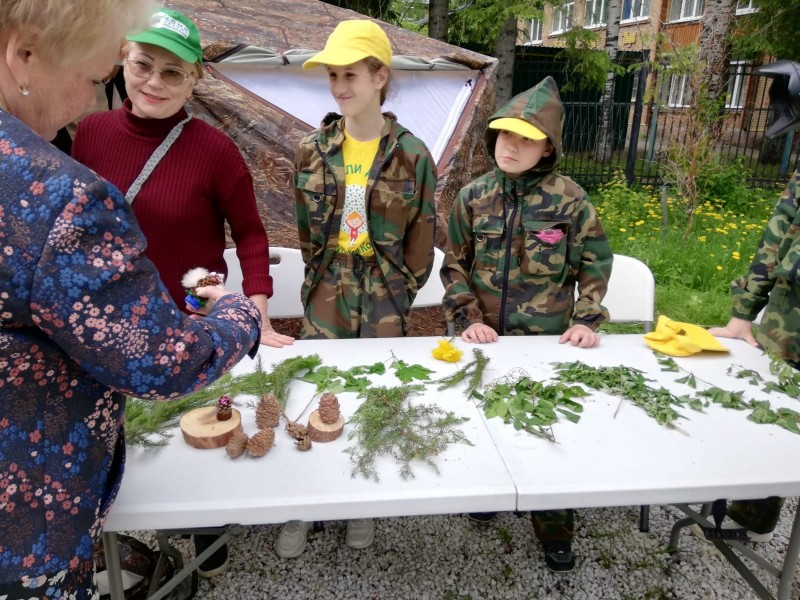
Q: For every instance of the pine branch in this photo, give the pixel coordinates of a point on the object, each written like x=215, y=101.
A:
x=387, y=424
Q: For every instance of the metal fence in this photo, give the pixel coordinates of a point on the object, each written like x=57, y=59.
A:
x=643, y=131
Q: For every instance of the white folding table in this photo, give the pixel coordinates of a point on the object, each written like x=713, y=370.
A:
x=615, y=456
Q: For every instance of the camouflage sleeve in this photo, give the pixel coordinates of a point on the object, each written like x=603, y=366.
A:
x=751, y=292
x=592, y=253
x=420, y=229
x=300, y=208
x=460, y=304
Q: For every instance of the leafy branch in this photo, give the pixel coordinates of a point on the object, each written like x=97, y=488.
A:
x=408, y=373
x=335, y=380
x=387, y=424
x=531, y=406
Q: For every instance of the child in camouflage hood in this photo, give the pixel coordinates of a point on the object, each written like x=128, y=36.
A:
x=520, y=239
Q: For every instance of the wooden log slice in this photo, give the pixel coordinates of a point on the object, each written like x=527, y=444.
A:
x=322, y=432
x=201, y=429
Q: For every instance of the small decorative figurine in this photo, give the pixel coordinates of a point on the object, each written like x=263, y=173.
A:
x=195, y=278
x=224, y=409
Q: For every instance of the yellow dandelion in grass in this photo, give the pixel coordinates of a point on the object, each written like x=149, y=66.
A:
x=631, y=238
x=719, y=268
x=639, y=222
x=622, y=230
x=447, y=352
x=702, y=238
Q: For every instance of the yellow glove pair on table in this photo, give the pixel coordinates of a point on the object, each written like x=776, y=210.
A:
x=681, y=339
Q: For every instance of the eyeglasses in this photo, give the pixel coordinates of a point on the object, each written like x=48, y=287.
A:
x=144, y=70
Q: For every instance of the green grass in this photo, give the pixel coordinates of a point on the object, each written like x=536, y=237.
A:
x=693, y=269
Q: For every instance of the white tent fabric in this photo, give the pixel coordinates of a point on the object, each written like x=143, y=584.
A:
x=428, y=97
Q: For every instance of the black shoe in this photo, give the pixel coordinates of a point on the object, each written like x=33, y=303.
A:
x=481, y=517
x=558, y=556
x=217, y=563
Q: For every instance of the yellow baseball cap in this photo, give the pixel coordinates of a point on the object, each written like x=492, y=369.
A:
x=351, y=42
x=518, y=126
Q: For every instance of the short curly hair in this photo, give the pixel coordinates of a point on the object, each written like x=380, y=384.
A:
x=71, y=30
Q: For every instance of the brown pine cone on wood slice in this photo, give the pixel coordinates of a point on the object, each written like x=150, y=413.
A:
x=319, y=431
x=260, y=443
x=237, y=444
x=268, y=412
x=329, y=408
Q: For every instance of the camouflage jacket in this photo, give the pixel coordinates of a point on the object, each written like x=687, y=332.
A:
x=774, y=280
x=400, y=206
x=503, y=266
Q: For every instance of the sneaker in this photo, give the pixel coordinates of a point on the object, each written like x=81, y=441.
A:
x=292, y=540
x=731, y=525
x=481, y=517
x=360, y=533
x=558, y=556
x=217, y=563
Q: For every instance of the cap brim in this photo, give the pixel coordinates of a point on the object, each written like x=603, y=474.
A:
x=518, y=126
x=156, y=39
x=336, y=57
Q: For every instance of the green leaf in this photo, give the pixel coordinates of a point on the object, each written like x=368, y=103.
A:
x=408, y=373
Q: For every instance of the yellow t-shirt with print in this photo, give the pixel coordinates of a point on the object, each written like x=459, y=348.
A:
x=358, y=158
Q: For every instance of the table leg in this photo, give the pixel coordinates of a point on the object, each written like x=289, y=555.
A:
x=790, y=560
x=113, y=565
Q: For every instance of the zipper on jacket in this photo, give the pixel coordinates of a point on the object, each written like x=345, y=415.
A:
x=507, y=262
x=368, y=196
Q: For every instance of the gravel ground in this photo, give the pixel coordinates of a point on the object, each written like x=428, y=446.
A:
x=448, y=557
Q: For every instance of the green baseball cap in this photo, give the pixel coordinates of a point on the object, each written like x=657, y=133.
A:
x=173, y=31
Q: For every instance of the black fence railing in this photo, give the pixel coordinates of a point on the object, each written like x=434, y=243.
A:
x=643, y=132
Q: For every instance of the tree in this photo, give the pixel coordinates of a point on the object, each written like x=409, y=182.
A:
x=605, y=133
x=437, y=19
x=772, y=30
x=715, y=44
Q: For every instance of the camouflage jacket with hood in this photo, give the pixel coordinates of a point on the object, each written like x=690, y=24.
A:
x=400, y=206
x=498, y=270
x=774, y=278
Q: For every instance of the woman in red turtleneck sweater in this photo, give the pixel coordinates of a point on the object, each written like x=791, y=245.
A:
x=202, y=180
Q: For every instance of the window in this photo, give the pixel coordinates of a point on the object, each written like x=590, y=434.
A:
x=562, y=17
x=633, y=10
x=533, y=31
x=596, y=13
x=737, y=84
x=745, y=7
x=681, y=10
x=679, y=92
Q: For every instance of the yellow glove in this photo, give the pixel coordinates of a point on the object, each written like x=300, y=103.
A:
x=681, y=339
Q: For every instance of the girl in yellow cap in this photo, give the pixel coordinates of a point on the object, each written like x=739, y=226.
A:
x=364, y=188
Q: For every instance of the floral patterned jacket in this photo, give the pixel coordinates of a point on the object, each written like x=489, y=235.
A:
x=84, y=319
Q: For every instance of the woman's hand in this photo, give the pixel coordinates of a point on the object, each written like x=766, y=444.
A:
x=269, y=337
x=479, y=333
x=736, y=328
x=210, y=293
x=580, y=336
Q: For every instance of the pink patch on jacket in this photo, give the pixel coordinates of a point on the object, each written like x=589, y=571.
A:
x=550, y=236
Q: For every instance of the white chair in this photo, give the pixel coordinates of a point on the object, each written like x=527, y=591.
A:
x=432, y=292
x=287, y=278
x=631, y=295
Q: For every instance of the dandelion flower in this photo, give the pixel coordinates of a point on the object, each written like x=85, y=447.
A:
x=447, y=352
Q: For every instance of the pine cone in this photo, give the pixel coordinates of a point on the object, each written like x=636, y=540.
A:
x=304, y=443
x=210, y=279
x=296, y=430
x=268, y=412
x=261, y=442
x=328, y=408
x=236, y=444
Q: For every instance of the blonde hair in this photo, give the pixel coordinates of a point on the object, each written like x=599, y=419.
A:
x=374, y=65
x=69, y=31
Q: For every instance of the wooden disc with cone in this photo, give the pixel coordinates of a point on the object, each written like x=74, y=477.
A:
x=201, y=429
x=324, y=432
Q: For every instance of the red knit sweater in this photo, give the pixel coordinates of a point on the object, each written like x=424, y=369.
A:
x=199, y=184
